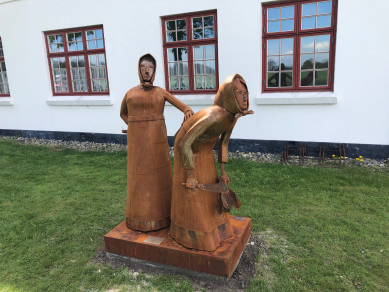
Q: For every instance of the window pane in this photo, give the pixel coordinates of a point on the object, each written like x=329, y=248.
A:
x=92, y=60
x=56, y=75
x=59, y=38
x=94, y=73
x=209, y=52
x=197, y=22
x=60, y=48
x=91, y=45
x=287, y=25
x=82, y=74
x=5, y=77
x=209, y=33
x=321, y=60
x=90, y=35
x=99, y=44
x=102, y=72
x=307, y=61
x=286, y=79
x=273, y=13
x=78, y=36
x=3, y=66
x=324, y=7
x=198, y=52
x=103, y=85
x=183, y=54
x=307, y=78
x=64, y=74
x=208, y=21
x=199, y=67
x=54, y=63
x=1, y=78
x=272, y=79
x=287, y=12
x=183, y=68
x=324, y=21
x=199, y=82
x=273, y=63
x=273, y=26
x=198, y=34
x=72, y=46
x=99, y=33
x=307, y=44
x=309, y=9
x=81, y=61
x=76, y=86
x=308, y=22
x=322, y=43
x=209, y=67
x=53, y=48
x=171, y=36
x=181, y=35
x=286, y=46
x=80, y=46
x=95, y=85
x=75, y=74
x=321, y=78
x=273, y=47
x=70, y=37
x=51, y=39
x=173, y=70
x=62, y=62
x=2, y=88
x=101, y=59
x=286, y=63
x=172, y=54
x=171, y=25
x=184, y=83
x=83, y=86
x=181, y=24
x=173, y=83
x=210, y=82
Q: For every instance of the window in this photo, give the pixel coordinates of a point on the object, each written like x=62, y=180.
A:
x=77, y=61
x=299, y=46
x=190, y=53
x=4, y=87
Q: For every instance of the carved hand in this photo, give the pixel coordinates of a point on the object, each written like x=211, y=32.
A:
x=238, y=115
x=188, y=114
x=224, y=176
x=191, y=181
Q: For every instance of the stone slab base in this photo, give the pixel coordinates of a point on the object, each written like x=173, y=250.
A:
x=159, y=249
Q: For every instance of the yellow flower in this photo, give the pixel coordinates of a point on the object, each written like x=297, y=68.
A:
x=357, y=158
x=361, y=160
x=333, y=155
x=360, y=156
x=341, y=157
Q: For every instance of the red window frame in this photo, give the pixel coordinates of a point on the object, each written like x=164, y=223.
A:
x=297, y=34
x=85, y=52
x=3, y=60
x=190, y=43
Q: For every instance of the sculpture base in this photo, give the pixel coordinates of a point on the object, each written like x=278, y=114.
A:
x=159, y=247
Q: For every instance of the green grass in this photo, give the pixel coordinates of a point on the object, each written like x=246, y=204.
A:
x=325, y=229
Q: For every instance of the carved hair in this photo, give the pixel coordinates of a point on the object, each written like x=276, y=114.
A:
x=147, y=58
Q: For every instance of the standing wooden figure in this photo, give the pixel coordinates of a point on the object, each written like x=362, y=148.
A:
x=199, y=209
x=149, y=176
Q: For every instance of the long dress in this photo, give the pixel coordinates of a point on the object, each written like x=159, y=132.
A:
x=196, y=222
x=149, y=176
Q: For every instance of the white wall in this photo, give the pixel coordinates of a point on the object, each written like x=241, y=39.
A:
x=133, y=28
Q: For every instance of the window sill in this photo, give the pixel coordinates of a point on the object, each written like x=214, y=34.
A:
x=296, y=98
x=200, y=99
x=6, y=101
x=80, y=100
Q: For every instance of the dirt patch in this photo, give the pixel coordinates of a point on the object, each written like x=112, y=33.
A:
x=239, y=281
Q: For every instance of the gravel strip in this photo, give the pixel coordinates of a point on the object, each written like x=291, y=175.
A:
x=382, y=164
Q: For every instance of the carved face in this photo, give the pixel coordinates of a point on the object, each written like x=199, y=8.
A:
x=147, y=70
x=241, y=94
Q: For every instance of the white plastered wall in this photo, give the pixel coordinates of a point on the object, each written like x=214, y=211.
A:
x=133, y=28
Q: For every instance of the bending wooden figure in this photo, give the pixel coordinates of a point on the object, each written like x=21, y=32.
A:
x=199, y=212
x=149, y=180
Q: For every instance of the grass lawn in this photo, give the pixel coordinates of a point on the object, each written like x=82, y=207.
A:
x=325, y=229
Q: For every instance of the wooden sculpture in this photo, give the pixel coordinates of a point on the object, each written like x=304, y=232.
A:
x=201, y=200
x=149, y=180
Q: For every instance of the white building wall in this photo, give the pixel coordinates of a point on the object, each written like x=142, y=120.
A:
x=133, y=28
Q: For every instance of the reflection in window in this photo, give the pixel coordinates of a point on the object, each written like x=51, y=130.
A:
x=60, y=75
x=4, y=88
x=79, y=82
x=55, y=43
x=314, y=60
x=75, y=41
x=280, y=19
x=280, y=62
x=316, y=15
x=94, y=39
x=98, y=72
x=203, y=27
x=204, y=67
x=178, y=68
x=175, y=30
